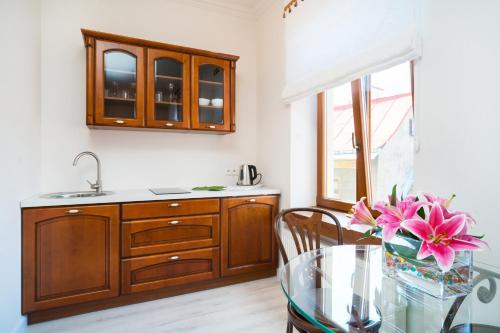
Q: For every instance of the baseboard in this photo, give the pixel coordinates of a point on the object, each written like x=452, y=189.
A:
x=21, y=325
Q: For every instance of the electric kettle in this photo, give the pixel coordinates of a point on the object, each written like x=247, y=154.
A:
x=248, y=175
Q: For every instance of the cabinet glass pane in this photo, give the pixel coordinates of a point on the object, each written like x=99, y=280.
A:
x=168, y=89
x=120, y=86
x=211, y=94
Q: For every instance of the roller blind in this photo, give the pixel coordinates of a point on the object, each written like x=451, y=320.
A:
x=331, y=42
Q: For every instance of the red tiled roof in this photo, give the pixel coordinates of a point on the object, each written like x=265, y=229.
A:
x=387, y=116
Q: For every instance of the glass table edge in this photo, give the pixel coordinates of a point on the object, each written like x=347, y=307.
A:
x=309, y=318
x=298, y=309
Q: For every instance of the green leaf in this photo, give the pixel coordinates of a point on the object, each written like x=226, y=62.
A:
x=209, y=188
x=421, y=213
x=367, y=234
x=394, y=195
x=479, y=237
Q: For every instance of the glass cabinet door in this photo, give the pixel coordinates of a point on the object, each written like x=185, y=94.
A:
x=119, y=84
x=168, y=92
x=211, y=94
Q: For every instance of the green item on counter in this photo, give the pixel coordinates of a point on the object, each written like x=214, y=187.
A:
x=209, y=188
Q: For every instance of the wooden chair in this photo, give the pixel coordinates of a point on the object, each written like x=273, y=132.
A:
x=306, y=234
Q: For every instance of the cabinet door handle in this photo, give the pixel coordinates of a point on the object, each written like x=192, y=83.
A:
x=251, y=200
x=169, y=124
x=73, y=211
x=174, y=258
x=211, y=126
x=173, y=222
x=119, y=121
x=175, y=204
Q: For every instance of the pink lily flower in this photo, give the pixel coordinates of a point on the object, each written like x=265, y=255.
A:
x=392, y=216
x=442, y=201
x=447, y=213
x=471, y=239
x=469, y=220
x=438, y=236
x=360, y=214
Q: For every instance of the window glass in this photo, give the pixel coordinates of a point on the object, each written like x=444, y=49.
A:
x=391, y=138
x=340, y=156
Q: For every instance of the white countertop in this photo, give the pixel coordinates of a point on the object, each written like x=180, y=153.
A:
x=146, y=195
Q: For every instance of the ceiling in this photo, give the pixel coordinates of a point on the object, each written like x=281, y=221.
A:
x=247, y=8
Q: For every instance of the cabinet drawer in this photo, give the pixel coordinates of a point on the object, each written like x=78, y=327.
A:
x=169, y=208
x=166, y=270
x=166, y=235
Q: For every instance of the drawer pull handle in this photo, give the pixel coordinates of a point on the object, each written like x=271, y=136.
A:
x=211, y=126
x=251, y=200
x=73, y=211
x=169, y=124
x=175, y=204
x=173, y=222
x=119, y=121
x=174, y=258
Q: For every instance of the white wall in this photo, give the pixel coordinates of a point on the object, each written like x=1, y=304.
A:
x=303, y=152
x=457, y=115
x=457, y=110
x=19, y=143
x=273, y=117
x=133, y=159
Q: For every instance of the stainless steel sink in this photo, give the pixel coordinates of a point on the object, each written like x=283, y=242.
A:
x=69, y=195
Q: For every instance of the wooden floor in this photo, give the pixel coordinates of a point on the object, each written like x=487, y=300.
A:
x=257, y=306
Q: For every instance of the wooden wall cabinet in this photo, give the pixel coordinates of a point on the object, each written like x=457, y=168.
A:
x=143, y=84
x=70, y=255
x=248, y=241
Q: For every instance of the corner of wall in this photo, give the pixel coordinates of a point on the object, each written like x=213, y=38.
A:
x=21, y=326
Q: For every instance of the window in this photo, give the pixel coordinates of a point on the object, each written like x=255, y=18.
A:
x=366, y=138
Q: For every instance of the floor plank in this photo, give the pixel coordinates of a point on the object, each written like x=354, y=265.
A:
x=257, y=306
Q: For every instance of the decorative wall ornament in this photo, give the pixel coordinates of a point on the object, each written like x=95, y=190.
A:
x=289, y=6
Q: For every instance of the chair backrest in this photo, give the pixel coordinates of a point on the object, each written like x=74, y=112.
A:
x=305, y=230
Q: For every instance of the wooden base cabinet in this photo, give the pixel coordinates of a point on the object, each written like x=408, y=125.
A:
x=248, y=242
x=70, y=255
x=78, y=259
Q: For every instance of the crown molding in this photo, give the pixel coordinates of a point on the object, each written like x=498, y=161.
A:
x=252, y=10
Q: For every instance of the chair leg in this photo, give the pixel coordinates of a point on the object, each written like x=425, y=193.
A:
x=289, y=327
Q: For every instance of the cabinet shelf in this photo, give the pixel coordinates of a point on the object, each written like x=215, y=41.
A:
x=211, y=82
x=166, y=77
x=168, y=103
x=119, y=71
x=211, y=107
x=120, y=99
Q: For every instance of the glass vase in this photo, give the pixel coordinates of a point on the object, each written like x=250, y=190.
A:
x=400, y=262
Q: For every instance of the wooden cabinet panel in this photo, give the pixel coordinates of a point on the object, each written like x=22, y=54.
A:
x=248, y=242
x=166, y=270
x=168, y=89
x=211, y=79
x=169, y=208
x=166, y=235
x=70, y=255
x=119, y=84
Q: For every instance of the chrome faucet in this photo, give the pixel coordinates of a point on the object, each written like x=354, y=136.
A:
x=97, y=186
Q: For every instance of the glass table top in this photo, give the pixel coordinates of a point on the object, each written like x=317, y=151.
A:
x=343, y=289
